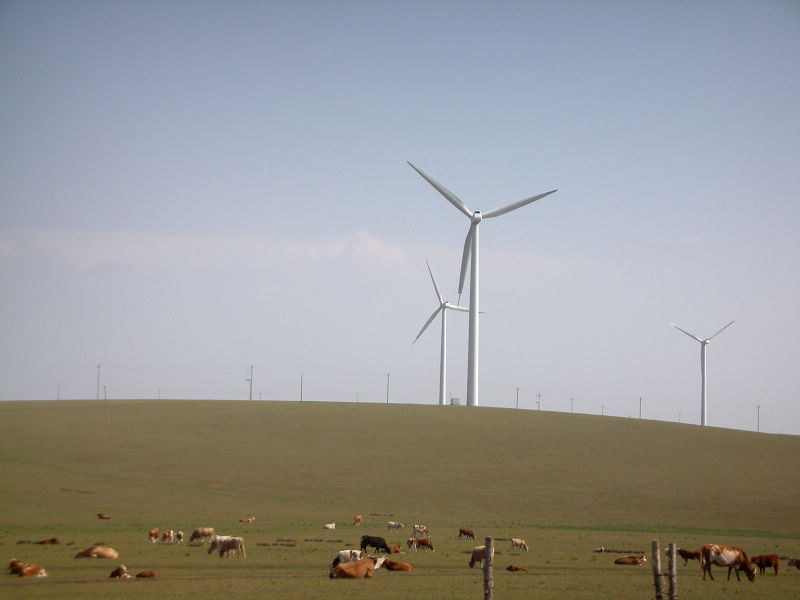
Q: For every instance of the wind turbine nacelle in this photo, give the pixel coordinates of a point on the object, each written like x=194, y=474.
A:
x=477, y=217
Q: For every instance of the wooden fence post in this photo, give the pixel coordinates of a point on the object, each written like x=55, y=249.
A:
x=673, y=571
x=657, y=570
x=488, y=572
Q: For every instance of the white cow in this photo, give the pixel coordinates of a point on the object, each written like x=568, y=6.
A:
x=346, y=556
x=225, y=544
x=517, y=543
x=422, y=530
x=394, y=525
x=330, y=526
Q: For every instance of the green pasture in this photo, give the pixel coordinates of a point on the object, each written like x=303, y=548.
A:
x=566, y=483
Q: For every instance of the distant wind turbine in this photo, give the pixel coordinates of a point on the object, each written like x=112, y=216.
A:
x=703, y=344
x=471, y=250
x=444, y=306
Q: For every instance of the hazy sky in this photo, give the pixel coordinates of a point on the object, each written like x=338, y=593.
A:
x=191, y=188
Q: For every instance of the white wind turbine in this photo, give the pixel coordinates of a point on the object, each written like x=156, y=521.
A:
x=703, y=344
x=471, y=250
x=444, y=306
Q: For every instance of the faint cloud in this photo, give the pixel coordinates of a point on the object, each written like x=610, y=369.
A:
x=84, y=251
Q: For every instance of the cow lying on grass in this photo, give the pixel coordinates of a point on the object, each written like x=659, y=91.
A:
x=26, y=569
x=391, y=565
x=98, y=552
x=358, y=569
x=637, y=559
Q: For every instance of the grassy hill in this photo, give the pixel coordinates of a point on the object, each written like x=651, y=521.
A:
x=570, y=481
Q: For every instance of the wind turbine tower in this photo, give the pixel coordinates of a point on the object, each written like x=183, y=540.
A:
x=444, y=306
x=703, y=344
x=471, y=252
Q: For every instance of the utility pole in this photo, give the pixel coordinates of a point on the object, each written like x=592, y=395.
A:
x=251, y=382
x=98, y=381
x=387, y=388
x=758, y=418
x=640, y=407
x=602, y=410
x=301, y=388
x=572, y=404
x=517, y=396
x=538, y=401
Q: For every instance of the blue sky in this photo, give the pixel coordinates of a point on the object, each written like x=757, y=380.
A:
x=188, y=189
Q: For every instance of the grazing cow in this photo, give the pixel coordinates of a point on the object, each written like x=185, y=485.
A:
x=422, y=530
x=794, y=562
x=688, y=555
x=396, y=549
x=202, y=534
x=150, y=574
x=725, y=556
x=394, y=525
x=48, y=541
x=478, y=556
x=517, y=544
x=330, y=526
x=168, y=537
x=358, y=569
x=346, y=556
x=391, y=565
x=26, y=569
x=514, y=569
x=103, y=516
x=357, y=520
x=424, y=543
x=153, y=535
x=636, y=559
x=179, y=536
x=225, y=544
x=764, y=561
x=376, y=542
x=412, y=543
x=466, y=533
x=121, y=572
x=98, y=552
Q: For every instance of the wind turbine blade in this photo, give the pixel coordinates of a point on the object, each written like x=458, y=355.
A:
x=465, y=259
x=721, y=330
x=428, y=322
x=436, y=287
x=496, y=212
x=454, y=200
x=691, y=335
x=459, y=308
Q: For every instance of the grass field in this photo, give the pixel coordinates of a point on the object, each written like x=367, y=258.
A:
x=566, y=483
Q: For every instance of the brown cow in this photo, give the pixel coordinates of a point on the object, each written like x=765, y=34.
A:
x=465, y=533
x=48, y=541
x=202, y=533
x=168, y=537
x=98, y=552
x=26, y=569
x=514, y=569
x=688, y=555
x=764, y=561
x=121, y=572
x=153, y=535
x=725, y=556
x=150, y=574
x=357, y=520
x=396, y=549
x=424, y=543
x=103, y=516
x=358, y=569
x=794, y=562
x=636, y=559
x=391, y=565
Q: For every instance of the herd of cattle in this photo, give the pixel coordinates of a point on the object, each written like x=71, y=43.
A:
x=355, y=564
